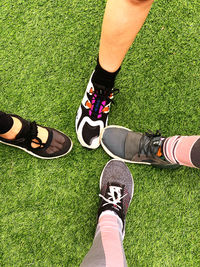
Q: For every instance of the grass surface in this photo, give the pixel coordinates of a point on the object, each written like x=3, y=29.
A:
x=48, y=50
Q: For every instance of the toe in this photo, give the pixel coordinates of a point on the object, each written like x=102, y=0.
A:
x=114, y=139
x=59, y=145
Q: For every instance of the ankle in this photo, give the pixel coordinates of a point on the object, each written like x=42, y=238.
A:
x=13, y=132
x=42, y=133
x=104, y=77
x=110, y=218
x=6, y=122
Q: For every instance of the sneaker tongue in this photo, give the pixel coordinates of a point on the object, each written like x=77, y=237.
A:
x=132, y=145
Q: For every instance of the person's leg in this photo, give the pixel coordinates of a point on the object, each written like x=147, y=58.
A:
x=183, y=150
x=150, y=148
x=122, y=21
x=107, y=248
x=39, y=141
x=6, y=122
x=116, y=194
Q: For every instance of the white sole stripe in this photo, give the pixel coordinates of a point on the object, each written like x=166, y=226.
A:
x=37, y=156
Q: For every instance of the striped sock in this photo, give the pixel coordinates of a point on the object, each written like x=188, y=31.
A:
x=183, y=150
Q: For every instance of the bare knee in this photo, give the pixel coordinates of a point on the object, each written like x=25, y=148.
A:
x=140, y=2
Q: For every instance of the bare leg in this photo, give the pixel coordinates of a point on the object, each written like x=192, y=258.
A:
x=122, y=21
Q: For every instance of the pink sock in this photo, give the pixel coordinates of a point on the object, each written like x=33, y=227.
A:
x=110, y=228
x=177, y=149
x=107, y=248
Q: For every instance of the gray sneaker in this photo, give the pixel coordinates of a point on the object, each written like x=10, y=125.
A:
x=122, y=143
x=117, y=187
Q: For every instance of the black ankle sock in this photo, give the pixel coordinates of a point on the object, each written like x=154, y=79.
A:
x=6, y=122
x=104, y=77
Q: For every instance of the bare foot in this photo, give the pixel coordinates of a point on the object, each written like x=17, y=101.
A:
x=42, y=134
x=17, y=125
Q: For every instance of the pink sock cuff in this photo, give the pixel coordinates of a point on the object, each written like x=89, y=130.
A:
x=110, y=229
x=177, y=149
x=168, y=148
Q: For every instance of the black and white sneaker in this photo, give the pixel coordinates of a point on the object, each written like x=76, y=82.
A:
x=57, y=145
x=92, y=115
x=116, y=189
x=133, y=147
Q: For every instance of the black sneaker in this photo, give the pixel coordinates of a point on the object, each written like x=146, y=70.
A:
x=57, y=145
x=116, y=189
x=122, y=143
x=92, y=115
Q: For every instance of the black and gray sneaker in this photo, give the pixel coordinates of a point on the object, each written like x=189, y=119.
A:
x=133, y=147
x=116, y=189
x=57, y=145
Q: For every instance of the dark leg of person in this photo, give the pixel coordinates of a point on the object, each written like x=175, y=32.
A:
x=6, y=122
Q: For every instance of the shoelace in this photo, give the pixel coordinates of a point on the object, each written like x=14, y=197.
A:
x=147, y=143
x=112, y=199
x=102, y=98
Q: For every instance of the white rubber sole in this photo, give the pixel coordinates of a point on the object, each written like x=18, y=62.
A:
x=31, y=153
x=113, y=155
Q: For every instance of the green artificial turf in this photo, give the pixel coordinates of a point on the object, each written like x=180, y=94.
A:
x=48, y=50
